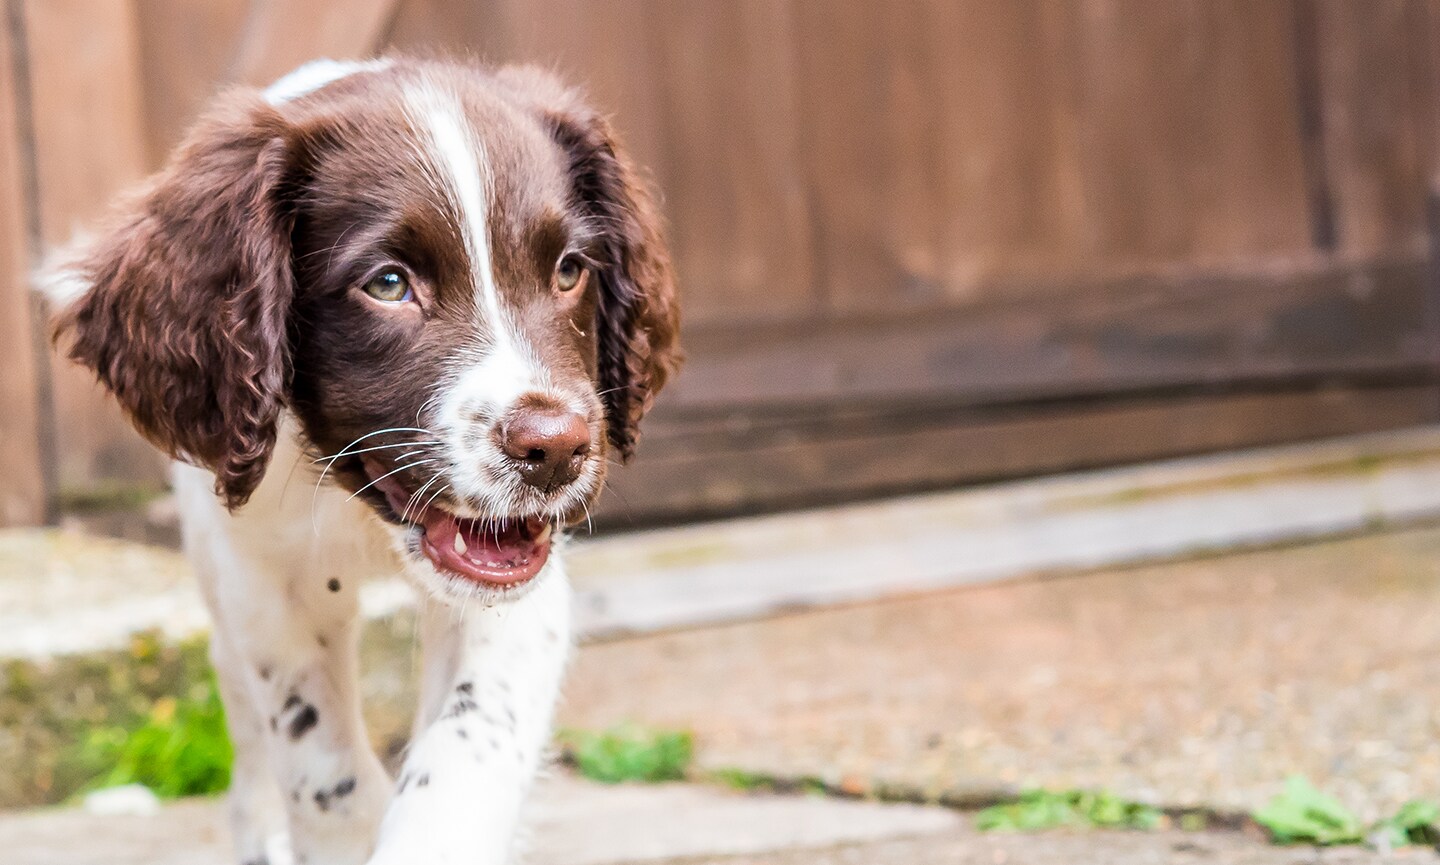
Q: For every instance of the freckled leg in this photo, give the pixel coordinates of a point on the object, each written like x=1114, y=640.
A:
x=256, y=814
x=490, y=682
x=290, y=648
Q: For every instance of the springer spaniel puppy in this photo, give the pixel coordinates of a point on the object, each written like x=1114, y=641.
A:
x=387, y=316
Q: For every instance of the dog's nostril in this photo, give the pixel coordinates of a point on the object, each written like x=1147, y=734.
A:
x=547, y=444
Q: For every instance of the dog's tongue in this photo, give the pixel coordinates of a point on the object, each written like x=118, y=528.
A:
x=505, y=552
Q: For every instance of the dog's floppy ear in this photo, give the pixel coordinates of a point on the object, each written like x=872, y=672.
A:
x=637, y=317
x=181, y=307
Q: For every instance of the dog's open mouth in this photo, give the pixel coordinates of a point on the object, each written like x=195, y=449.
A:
x=492, y=552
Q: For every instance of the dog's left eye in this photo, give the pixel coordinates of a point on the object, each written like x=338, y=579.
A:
x=568, y=273
x=389, y=286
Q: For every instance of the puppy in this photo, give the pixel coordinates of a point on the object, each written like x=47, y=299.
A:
x=385, y=316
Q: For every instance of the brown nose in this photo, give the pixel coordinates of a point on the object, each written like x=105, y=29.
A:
x=547, y=445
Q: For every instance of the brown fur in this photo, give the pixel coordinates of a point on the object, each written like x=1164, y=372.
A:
x=224, y=293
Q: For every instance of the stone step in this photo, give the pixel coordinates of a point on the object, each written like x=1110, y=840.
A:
x=65, y=593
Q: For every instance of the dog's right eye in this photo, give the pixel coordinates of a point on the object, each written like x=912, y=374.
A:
x=389, y=286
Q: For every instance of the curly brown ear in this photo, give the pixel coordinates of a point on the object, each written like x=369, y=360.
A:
x=184, y=301
x=638, y=319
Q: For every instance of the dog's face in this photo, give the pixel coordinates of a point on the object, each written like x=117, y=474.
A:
x=451, y=278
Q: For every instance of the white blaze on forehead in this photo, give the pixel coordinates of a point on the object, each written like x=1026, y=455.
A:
x=504, y=369
x=316, y=74
x=463, y=167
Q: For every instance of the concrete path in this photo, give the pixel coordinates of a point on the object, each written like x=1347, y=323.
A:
x=1198, y=682
x=966, y=847
x=582, y=824
x=573, y=823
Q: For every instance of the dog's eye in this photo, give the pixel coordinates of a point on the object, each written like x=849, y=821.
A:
x=389, y=286
x=568, y=273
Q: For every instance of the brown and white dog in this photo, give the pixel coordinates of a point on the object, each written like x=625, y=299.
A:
x=444, y=290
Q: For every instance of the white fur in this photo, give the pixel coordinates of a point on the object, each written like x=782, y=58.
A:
x=315, y=75
x=284, y=641
x=487, y=381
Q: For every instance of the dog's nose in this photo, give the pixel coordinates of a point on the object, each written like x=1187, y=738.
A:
x=548, y=445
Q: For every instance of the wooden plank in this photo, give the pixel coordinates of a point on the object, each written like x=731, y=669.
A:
x=85, y=73
x=1150, y=331
x=186, y=54
x=961, y=150
x=734, y=473
x=279, y=35
x=736, y=197
x=1375, y=142
x=1192, y=149
x=23, y=495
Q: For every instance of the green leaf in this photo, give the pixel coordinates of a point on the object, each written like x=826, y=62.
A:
x=1415, y=823
x=1302, y=814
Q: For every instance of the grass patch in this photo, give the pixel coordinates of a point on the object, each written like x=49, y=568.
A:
x=181, y=749
x=49, y=709
x=1036, y=810
x=629, y=753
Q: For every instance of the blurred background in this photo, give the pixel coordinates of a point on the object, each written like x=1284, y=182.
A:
x=920, y=244
x=929, y=252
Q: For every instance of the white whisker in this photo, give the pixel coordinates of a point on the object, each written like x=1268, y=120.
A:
x=388, y=474
x=369, y=449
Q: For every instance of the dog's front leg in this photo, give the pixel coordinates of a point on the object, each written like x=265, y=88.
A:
x=490, y=682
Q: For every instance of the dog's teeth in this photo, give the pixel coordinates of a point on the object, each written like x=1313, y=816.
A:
x=460, y=545
x=544, y=535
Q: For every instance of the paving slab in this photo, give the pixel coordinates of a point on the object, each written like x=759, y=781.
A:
x=1199, y=682
x=581, y=824
x=572, y=823
x=966, y=847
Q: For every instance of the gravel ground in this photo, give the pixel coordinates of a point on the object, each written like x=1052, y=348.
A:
x=1197, y=682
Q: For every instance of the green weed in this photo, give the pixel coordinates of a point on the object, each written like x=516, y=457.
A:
x=1076, y=809
x=629, y=753
x=1301, y=814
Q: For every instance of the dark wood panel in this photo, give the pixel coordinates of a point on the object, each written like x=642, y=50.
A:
x=1141, y=333
x=736, y=471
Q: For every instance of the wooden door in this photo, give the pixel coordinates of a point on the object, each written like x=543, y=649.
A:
x=928, y=242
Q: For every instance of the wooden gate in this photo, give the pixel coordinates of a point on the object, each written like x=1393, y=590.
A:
x=921, y=243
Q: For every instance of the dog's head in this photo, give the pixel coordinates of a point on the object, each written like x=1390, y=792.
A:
x=453, y=279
